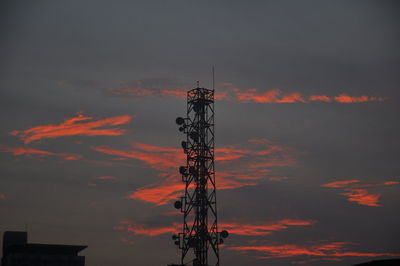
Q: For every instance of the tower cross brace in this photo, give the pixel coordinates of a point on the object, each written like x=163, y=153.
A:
x=199, y=239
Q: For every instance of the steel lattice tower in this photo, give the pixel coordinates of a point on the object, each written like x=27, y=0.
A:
x=199, y=203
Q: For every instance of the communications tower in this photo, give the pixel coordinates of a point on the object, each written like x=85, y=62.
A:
x=199, y=239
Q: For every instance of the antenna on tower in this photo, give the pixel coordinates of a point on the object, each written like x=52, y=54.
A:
x=213, y=78
x=200, y=238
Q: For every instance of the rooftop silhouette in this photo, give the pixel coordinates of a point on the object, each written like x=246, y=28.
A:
x=17, y=252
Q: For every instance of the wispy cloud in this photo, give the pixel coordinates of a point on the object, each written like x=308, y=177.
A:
x=355, y=191
x=258, y=229
x=160, y=193
x=141, y=229
x=78, y=125
x=332, y=249
x=236, y=228
x=150, y=87
x=251, y=95
x=362, y=197
x=240, y=165
x=157, y=87
x=18, y=151
x=345, y=98
x=342, y=183
x=227, y=91
x=144, y=93
x=320, y=98
x=156, y=157
x=277, y=96
x=163, y=159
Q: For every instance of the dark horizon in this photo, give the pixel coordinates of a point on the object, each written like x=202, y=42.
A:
x=307, y=125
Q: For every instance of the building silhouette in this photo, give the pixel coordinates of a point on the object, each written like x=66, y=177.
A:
x=18, y=252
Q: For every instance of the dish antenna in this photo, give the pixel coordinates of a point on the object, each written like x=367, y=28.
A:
x=199, y=239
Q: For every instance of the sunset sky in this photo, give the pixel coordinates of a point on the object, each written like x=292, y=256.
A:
x=307, y=126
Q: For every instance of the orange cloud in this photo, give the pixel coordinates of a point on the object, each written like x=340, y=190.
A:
x=239, y=166
x=137, y=92
x=140, y=229
x=362, y=197
x=251, y=96
x=291, y=98
x=334, y=249
x=181, y=94
x=341, y=183
x=69, y=156
x=2, y=196
x=221, y=95
x=160, y=158
x=160, y=88
x=344, y=98
x=78, y=125
x=160, y=193
x=391, y=183
x=228, y=91
x=276, y=96
x=151, y=87
x=143, y=93
x=166, y=160
x=320, y=98
x=356, y=192
x=17, y=151
x=231, y=153
x=262, y=229
x=233, y=228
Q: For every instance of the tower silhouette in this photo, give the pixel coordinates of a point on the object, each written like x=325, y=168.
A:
x=199, y=239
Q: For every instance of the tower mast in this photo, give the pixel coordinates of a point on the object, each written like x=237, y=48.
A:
x=199, y=240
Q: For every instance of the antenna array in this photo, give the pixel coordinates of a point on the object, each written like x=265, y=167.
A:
x=199, y=204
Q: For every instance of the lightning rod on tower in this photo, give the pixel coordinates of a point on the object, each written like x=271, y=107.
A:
x=199, y=239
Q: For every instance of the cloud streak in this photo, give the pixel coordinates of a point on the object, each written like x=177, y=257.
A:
x=343, y=183
x=141, y=93
x=344, y=98
x=355, y=191
x=277, y=96
x=328, y=250
x=263, y=228
x=78, y=125
x=165, y=160
x=18, y=151
x=362, y=197
x=235, y=228
x=240, y=166
x=228, y=91
x=141, y=229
